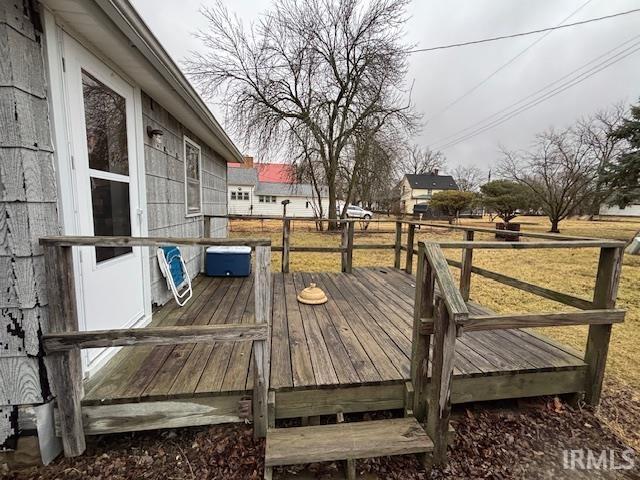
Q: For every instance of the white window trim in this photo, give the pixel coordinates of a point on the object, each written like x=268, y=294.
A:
x=193, y=144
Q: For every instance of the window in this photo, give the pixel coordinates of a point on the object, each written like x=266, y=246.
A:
x=266, y=199
x=192, y=178
x=106, y=133
x=238, y=195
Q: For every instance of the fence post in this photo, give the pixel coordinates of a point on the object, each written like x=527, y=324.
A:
x=261, y=349
x=604, y=297
x=410, y=238
x=423, y=308
x=347, y=245
x=398, y=245
x=441, y=375
x=286, y=231
x=206, y=226
x=465, y=270
x=65, y=368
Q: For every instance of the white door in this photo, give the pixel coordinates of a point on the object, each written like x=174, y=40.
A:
x=103, y=144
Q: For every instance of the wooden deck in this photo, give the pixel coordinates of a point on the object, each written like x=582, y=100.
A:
x=354, y=351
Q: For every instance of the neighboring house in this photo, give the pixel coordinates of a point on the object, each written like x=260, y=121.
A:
x=269, y=172
x=249, y=195
x=615, y=211
x=101, y=135
x=417, y=189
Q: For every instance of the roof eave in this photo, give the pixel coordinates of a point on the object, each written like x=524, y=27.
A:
x=131, y=24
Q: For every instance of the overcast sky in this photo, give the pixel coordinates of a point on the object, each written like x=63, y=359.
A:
x=441, y=77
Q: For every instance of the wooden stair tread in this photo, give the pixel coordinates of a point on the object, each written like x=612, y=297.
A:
x=345, y=441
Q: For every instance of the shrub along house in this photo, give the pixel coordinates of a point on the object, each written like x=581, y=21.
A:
x=101, y=135
x=417, y=189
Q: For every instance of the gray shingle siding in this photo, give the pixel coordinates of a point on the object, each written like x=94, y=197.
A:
x=28, y=210
x=165, y=191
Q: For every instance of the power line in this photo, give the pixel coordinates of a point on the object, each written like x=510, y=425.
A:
x=503, y=66
x=522, y=34
x=565, y=86
x=452, y=45
x=536, y=102
x=540, y=90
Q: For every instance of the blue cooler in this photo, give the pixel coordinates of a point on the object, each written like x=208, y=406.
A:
x=228, y=261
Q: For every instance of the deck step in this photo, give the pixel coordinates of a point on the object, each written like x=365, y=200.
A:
x=345, y=441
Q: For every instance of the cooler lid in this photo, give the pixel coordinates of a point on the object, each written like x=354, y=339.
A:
x=229, y=249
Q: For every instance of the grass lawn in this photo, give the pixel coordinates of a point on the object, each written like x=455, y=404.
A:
x=569, y=271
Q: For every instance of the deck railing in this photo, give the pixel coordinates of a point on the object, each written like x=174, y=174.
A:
x=63, y=342
x=440, y=315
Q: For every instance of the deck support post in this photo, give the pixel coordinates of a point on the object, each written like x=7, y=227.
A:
x=604, y=297
x=348, y=229
x=423, y=308
x=410, y=239
x=65, y=368
x=261, y=349
x=398, y=245
x=465, y=271
x=286, y=231
x=441, y=377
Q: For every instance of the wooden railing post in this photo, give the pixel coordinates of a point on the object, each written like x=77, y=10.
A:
x=348, y=229
x=423, y=308
x=465, y=271
x=261, y=349
x=444, y=344
x=65, y=368
x=286, y=232
x=398, y=245
x=604, y=297
x=410, y=239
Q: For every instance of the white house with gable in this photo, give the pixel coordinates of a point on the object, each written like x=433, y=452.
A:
x=247, y=195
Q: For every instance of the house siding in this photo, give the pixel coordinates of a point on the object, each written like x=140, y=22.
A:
x=165, y=191
x=28, y=210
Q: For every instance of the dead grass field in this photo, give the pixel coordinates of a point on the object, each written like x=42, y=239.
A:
x=569, y=271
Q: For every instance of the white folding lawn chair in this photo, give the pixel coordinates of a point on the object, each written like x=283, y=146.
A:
x=175, y=273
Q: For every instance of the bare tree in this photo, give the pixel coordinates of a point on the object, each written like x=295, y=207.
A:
x=467, y=178
x=423, y=160
x=332, y=68
x=598, y=131
x=560, y=171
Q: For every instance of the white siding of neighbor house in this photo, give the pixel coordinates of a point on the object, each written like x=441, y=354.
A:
x=299, y=206
x=166, y=196
x=240, y=207
x=615, y=211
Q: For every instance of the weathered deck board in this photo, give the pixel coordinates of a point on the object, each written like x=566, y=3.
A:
x=360, y=337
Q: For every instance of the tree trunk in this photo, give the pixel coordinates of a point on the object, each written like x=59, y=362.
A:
x=554, y=225
x=332, y=214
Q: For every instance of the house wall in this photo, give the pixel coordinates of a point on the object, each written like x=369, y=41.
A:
x=166, y=196
x=27, y=211
x=240, y=207
x=297, y=208
x=408, y=196
x=613, y=210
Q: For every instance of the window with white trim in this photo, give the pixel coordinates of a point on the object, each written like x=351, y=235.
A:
x=239, y=195
x=192, y=177
x=266, y=199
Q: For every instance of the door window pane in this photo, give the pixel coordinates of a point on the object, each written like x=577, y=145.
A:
x=111, y=214
x=106, y=123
